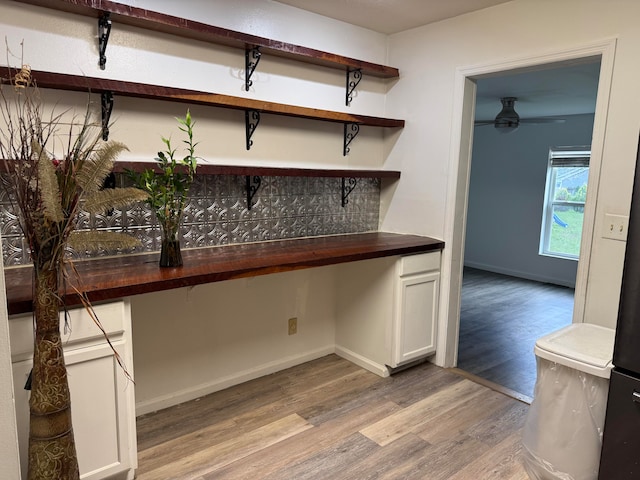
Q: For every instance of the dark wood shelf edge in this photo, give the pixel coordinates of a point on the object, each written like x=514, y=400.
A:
x=123, y=276
x=160, y=22
x=208, y=169
x=78, y=83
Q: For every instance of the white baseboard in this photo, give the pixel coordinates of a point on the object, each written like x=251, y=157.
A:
x=516, y=273
x=361, y=361
x=197, y=391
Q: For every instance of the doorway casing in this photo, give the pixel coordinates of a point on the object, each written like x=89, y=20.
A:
x=460, y=168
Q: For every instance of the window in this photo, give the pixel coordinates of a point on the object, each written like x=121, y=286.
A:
x=565, y=194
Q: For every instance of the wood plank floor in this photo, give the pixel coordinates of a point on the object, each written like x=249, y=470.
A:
x=329, y=419
x=501, y=317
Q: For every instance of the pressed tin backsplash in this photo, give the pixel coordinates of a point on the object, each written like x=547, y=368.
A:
x=217, y=214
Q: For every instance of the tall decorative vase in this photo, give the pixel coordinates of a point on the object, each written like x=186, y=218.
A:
x=52, y=452
x=170, y=255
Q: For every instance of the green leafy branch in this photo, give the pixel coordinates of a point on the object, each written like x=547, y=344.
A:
x=168, y=189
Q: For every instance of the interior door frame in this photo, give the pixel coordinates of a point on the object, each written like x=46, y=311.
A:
x=458, y=187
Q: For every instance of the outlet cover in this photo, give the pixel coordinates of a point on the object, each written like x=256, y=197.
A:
x=293, y=326
x=615, y=226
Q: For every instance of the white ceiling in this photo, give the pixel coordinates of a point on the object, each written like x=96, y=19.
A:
x=561, y=90
x=391, y=16
x=553, y=91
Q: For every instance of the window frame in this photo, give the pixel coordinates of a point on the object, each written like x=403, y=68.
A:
x=575, y=156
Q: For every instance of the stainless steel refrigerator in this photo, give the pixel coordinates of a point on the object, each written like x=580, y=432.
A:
x=620, y=457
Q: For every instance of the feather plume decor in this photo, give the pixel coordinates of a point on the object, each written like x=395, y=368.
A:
x=98, y=165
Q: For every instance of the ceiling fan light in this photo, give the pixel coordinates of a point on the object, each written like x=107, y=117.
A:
x=508, y=119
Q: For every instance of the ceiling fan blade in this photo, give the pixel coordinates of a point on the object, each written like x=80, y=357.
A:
x=541, y=120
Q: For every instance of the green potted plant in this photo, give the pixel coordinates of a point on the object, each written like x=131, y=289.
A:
x=48, y=191
x=168, y=187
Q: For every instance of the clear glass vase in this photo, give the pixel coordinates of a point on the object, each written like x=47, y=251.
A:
x=170, y=255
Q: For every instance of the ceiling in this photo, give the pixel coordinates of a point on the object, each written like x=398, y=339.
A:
x=391, y=16
x=555, y=90
x=558, y=91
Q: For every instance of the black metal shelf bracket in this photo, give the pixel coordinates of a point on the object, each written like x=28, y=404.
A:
x=252, y=185
x=347, y=187
x=353, y=79
x=351, y=130
x=104, y=30
x=251, y=119
x=251, y=59
x=106, y=99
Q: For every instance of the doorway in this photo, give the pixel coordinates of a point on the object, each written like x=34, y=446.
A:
x=455, y=227
x=514, y=289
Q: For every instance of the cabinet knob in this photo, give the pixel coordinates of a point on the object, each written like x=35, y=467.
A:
x=636, y=396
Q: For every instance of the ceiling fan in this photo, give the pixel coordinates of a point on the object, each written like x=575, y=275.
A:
x=508, y=119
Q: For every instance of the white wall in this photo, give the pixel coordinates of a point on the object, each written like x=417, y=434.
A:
x=192, y=341
x=60, y=42
x=506, y=198
x=430, y=58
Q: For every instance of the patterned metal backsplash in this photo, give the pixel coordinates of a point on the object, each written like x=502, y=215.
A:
x=217, y=214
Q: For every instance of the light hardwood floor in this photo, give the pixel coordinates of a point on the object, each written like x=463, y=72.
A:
x=329, y=419
x=501, y=317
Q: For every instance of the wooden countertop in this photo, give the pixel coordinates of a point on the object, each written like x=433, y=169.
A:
x=116, y=277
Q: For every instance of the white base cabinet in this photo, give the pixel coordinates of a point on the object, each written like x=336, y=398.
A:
x=415, y=307
x=387, y=310
x=102, y=398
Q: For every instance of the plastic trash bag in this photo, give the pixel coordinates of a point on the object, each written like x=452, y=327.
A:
x=562, y=434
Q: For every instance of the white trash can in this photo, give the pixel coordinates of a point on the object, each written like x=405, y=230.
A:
x=562, y=434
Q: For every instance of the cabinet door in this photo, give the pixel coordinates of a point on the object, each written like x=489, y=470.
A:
x=102, y=399
x=98, y=408
x=415, y=318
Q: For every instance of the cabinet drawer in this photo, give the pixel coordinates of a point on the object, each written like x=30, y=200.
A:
x=82, y=326
x=423, y=262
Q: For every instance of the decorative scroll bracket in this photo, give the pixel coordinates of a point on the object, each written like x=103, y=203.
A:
x=104, y=30
x=347, y=188
x=252, y=184
x=353, y=79
x=107, y=108
x=251, y=59
x=252, y=119
x=351, y=130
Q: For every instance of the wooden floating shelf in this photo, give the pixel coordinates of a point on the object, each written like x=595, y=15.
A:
x=183, y=27
x=243, y=170
x=207, y=169
x=156, y=92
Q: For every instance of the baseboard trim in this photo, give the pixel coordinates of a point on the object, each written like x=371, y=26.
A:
x=516, y=273
x=197, y=391
x=361, y=361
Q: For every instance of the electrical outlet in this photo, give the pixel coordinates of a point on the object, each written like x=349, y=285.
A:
x=293, y=326
x=615, y=226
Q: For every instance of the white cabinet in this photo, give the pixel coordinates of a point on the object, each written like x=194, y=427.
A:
x=102, y=398
x=415, y=307
x=387, y=310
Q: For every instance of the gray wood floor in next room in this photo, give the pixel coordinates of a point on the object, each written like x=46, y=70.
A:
x=501, y=318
